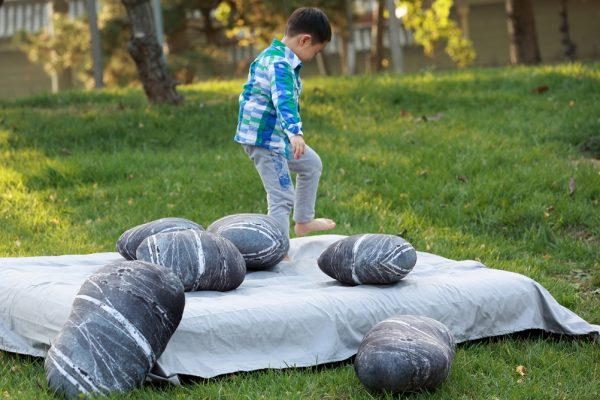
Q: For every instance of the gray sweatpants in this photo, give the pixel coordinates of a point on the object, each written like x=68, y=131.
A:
x=274, y=170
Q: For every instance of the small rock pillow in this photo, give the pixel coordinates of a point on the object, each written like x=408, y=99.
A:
x=121, y=321
x=258, y=237
x=201, y=260
x=129, y=241
x=405, y=353
x=368, y=258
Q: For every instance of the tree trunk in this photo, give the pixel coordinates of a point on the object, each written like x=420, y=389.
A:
x=322, y=64
x=147, y=54
x=394, y=33
x=350, y=47
x=523, y=45
x=570, y=49
x=377, y=37
x=95, y=44
x=63, y=78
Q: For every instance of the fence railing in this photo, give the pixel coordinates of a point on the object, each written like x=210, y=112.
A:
x=31, y=15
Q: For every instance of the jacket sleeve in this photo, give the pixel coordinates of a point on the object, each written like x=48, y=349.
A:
x=284, y=99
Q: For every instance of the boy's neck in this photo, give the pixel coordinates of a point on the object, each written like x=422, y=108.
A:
x=297, y=42
x=289, y=43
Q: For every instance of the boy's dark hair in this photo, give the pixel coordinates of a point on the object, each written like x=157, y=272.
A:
x=310, y=20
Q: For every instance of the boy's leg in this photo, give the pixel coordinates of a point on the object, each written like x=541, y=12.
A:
x=308, y=168
x=275, y=175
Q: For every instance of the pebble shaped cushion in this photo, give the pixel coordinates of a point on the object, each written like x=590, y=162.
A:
x=405, y=353
x=120, y=323
x=258, y=237
x=368, y=258
x=129, y=241
x=201, y=260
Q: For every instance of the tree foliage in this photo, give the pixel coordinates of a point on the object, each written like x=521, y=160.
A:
x=66, y=44
x=53, y=52
x=432, y=26
x=198, y=46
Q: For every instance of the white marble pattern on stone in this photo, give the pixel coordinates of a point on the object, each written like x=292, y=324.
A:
x=405, y=353
x=202, y=260
x=258, y=237
x=120, y=323
x=129, y=241
x=368, y=259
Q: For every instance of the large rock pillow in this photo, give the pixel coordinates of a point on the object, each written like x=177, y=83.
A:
x=405, y=353
x=368, y=258
x=202, y=260
x=129, y=241
x=258, y=237
x=121, y=321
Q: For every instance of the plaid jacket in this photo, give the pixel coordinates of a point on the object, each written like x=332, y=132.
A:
x=269, y=108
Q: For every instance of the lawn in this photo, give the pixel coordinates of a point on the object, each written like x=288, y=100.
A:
x=498, y=165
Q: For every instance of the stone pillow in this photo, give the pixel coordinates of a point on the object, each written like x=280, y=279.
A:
x=129, y=241
x=258, y=237
x=405, y=353
x=202, y=260
x=368, y=259
x=120, y=323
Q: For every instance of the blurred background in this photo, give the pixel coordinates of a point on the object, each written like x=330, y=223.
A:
x=56, y=45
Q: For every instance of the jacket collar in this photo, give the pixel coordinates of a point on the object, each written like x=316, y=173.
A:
x=295, y=62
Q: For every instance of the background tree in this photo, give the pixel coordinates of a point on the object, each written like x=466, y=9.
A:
x=60, y=48
x=147, y=53
x=523, y=43
x=432, y=26
x=377, y=26
x=569, y=48
x=201, y=35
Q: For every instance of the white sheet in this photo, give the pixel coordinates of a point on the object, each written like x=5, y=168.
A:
x=292, y=315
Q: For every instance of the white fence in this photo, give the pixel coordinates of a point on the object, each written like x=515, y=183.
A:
x=31, y=15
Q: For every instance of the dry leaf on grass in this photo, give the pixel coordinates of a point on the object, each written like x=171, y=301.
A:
x=541, y=89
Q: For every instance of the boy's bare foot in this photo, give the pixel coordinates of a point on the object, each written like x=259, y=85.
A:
x=317, y=224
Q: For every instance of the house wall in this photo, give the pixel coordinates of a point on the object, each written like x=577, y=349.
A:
x=19, y=76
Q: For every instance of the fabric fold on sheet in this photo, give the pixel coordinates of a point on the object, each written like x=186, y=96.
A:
x=290, y=315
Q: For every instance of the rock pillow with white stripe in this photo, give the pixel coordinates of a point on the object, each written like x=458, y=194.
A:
x=201, y=260
x=258, y=237
x=405, y=353
x=368, y=259
x=120, y=323
x=129, y=241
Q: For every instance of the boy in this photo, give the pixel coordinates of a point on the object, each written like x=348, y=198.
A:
x=269, y=125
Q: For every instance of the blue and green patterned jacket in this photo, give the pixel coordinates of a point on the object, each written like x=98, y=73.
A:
x=269, y=108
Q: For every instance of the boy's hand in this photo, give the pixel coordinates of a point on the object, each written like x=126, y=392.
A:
x=298, y=145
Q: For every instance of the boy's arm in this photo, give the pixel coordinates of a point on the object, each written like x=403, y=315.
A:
x=283, y=97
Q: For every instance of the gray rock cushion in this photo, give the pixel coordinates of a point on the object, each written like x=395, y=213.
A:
x=129, y=241
x=201, y=260
x=368, y=258
x=405, y=353
x=120, y=323
x=258, y=237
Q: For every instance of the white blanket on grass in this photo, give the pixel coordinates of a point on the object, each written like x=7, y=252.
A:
x=291, y=315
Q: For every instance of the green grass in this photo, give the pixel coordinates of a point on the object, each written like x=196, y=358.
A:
x=470, y=164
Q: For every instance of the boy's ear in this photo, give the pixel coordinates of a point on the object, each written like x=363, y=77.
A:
x=305, y=39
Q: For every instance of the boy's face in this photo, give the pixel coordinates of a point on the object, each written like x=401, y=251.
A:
x=307, y=49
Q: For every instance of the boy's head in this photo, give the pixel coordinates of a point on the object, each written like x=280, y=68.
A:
x=307, y=31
